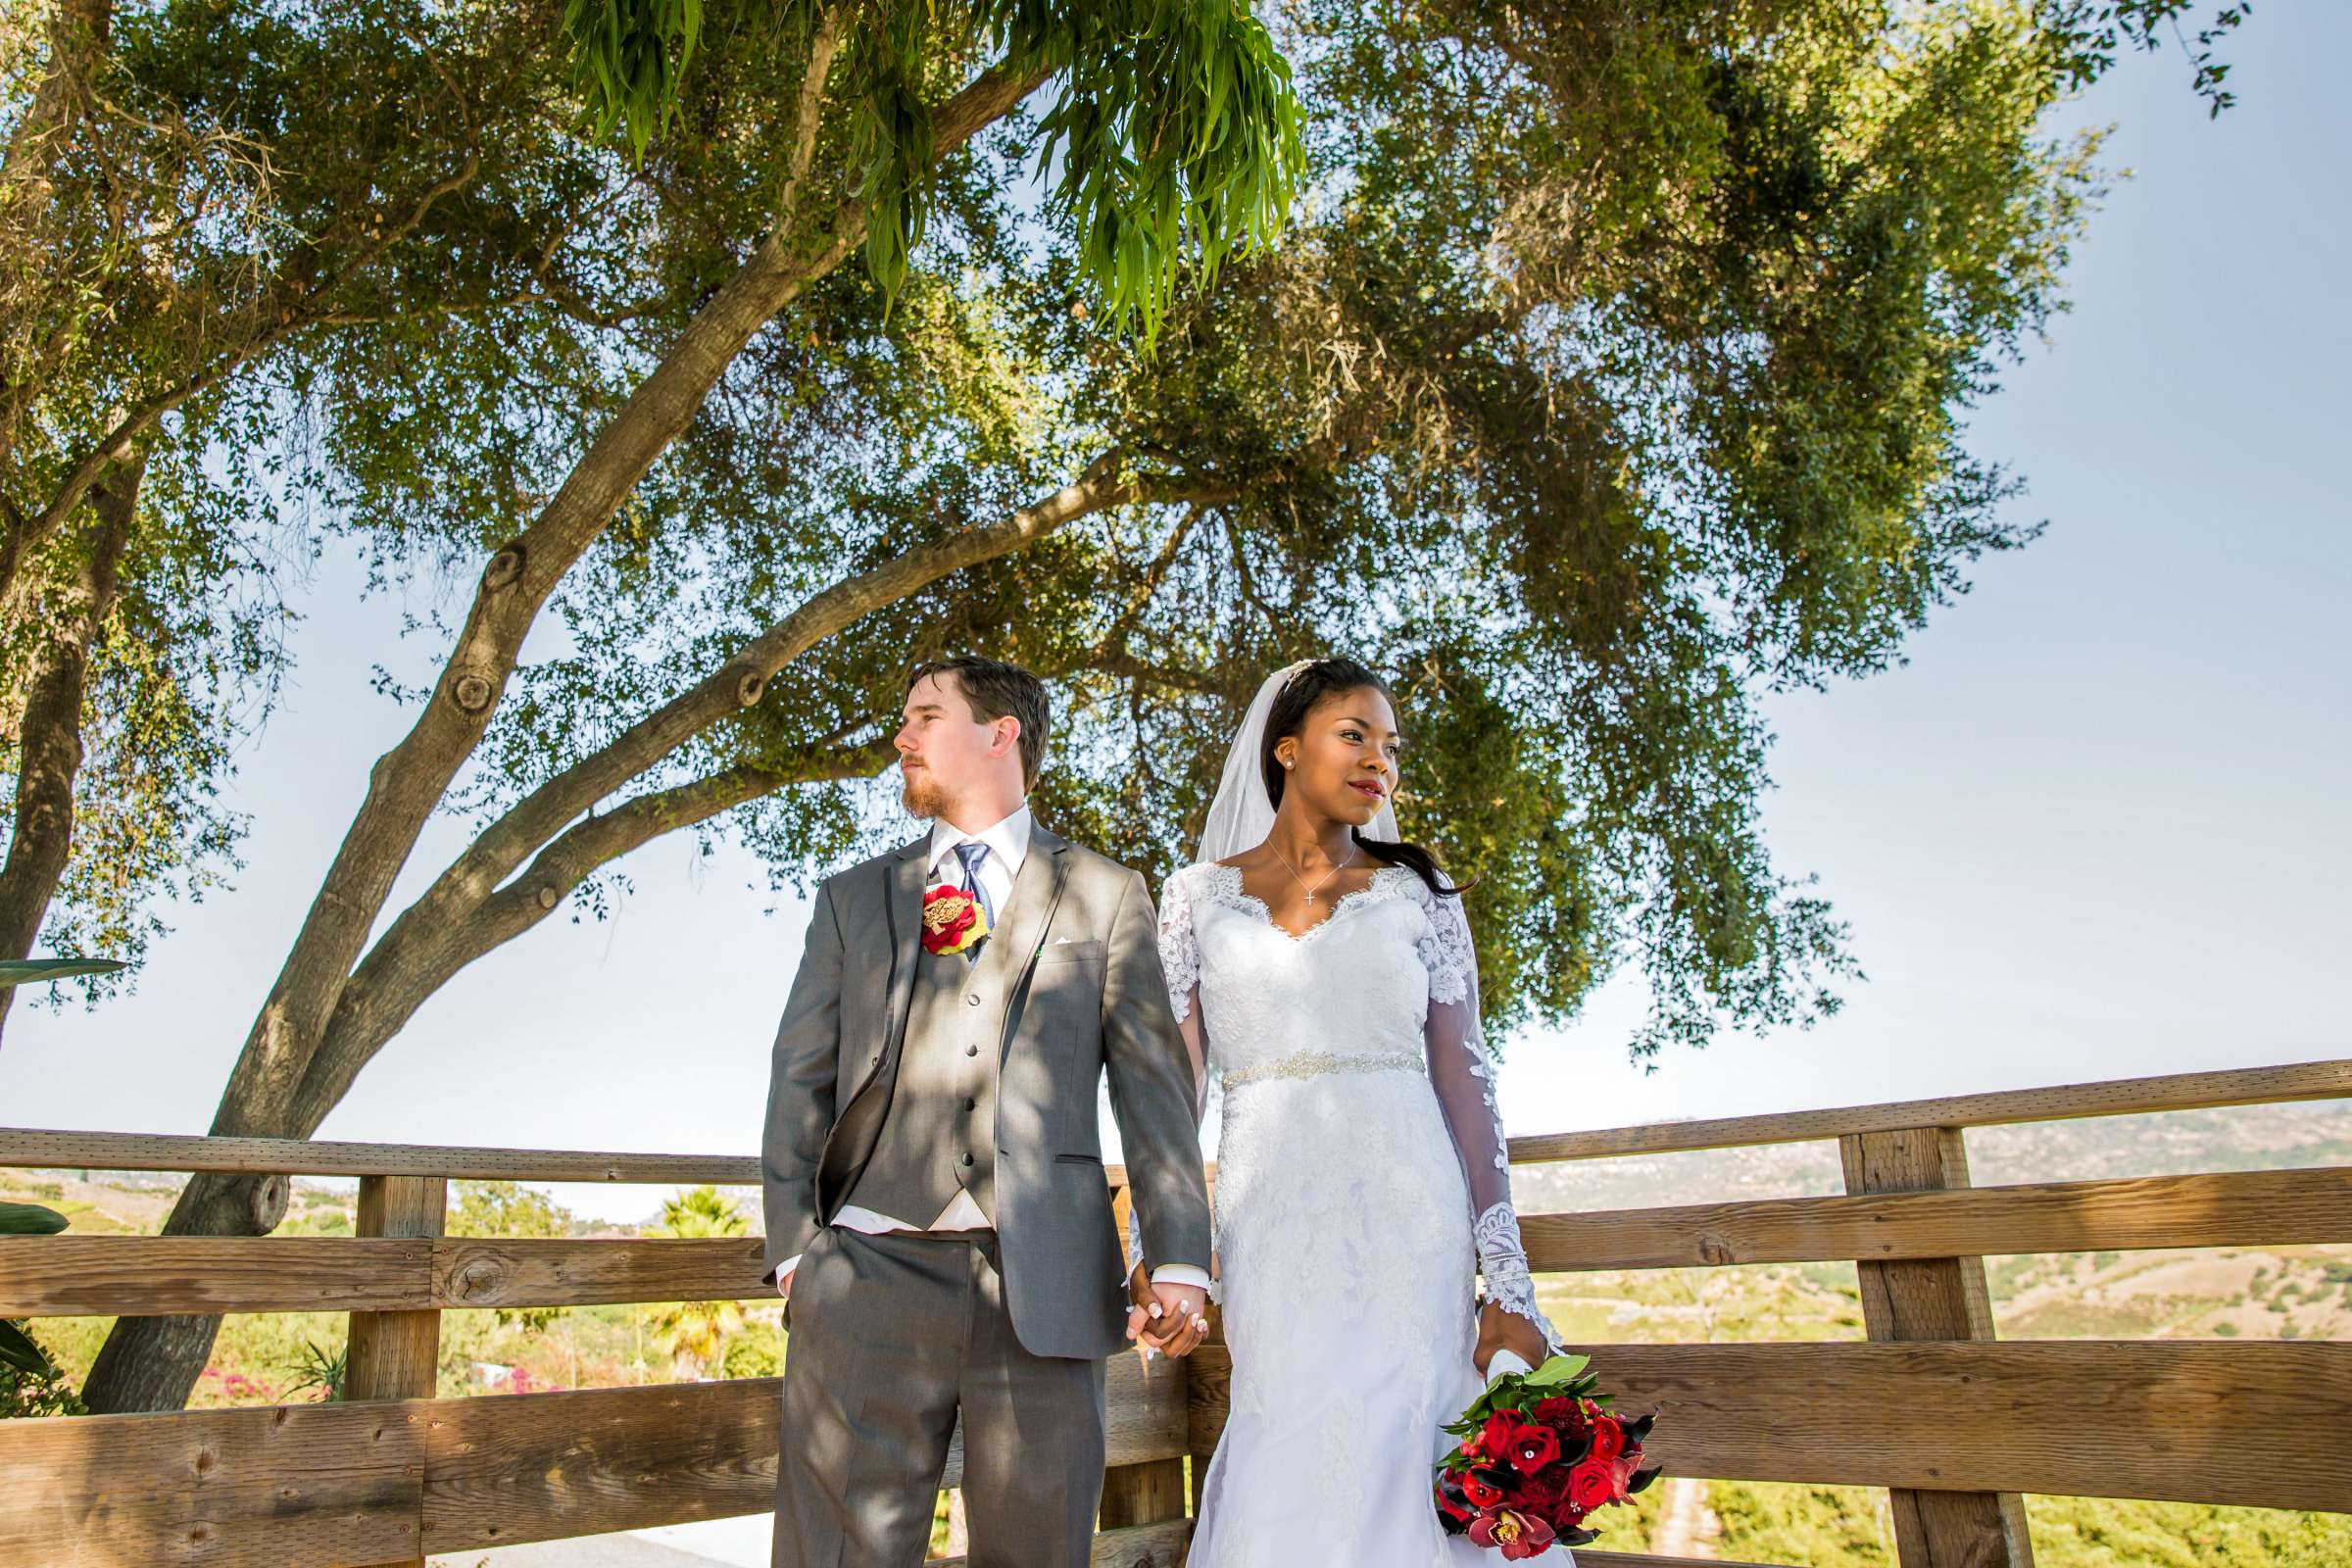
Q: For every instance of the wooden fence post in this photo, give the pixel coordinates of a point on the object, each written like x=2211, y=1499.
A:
x=1933, y=1299
x=396, y=1355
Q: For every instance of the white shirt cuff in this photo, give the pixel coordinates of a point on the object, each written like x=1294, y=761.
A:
x=1505, y=1359
x=1180, y=1274
x=784, y=1274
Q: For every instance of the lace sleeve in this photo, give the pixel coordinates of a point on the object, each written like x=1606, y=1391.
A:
x=1180, y=957
x=1464, y=1080
x=1179, y=950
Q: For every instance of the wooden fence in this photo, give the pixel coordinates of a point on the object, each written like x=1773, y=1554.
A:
x=1954, y=1421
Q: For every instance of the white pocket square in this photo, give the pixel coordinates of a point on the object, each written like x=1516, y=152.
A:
x=1063, y=942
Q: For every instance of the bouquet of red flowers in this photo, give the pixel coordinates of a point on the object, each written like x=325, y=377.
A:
x=1538, y=1451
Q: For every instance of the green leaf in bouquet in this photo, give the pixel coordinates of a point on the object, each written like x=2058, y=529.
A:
x=18, y=1350
x=29, y=1219
x=31, y=971
x=1555, y=1371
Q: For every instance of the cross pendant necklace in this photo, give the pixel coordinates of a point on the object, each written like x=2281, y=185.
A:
x=1319, y=881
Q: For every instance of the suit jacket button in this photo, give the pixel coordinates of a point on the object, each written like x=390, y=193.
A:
x=877, y=1058
x=968, y=1162
x=972, y=1105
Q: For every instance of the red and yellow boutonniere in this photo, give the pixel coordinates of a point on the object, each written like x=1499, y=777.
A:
x=951, y=921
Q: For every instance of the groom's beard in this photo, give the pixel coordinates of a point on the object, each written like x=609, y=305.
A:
x=922, y=797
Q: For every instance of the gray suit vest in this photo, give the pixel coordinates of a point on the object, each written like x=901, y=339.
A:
x=940, y=1132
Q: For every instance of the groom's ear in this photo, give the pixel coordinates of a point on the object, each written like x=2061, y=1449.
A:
x=1007, y=735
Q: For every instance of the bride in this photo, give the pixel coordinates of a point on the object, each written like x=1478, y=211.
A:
x=1325, y=971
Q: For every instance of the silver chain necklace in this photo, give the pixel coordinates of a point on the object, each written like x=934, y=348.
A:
x=1319, y=881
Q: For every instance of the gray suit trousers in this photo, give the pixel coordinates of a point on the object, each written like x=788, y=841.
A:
x=889, y=1336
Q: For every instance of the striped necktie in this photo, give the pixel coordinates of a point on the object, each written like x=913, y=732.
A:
x=971, y=852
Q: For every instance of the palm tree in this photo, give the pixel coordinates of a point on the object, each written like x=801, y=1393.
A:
x=693, y=1334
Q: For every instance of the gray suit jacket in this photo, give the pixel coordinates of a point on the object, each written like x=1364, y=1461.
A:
x=1068, y=1011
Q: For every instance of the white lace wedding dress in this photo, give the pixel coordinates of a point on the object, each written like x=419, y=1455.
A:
x=1360, y=1176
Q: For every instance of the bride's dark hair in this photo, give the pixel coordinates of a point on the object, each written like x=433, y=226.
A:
x=1292, y=703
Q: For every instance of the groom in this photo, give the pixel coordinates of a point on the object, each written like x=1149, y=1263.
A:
x=936, y=1210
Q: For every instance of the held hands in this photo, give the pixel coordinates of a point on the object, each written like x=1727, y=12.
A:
x=1169, y=1318
x=1498, y=1330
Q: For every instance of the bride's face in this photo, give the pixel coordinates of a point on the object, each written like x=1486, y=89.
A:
x=1342, y=764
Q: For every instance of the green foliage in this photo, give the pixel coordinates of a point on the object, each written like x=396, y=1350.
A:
x=1820, y=1527
x=695, y=1334
x=626, y=60
x=31, y=1381
x=317, y=1367
x=1172, y=137
x=2125, y=1533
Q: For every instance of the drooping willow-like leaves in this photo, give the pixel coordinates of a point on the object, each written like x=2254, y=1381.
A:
x=1173, y=137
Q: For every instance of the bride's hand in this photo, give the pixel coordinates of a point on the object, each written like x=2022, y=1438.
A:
x=1171, y=1319
x=1498, y=1330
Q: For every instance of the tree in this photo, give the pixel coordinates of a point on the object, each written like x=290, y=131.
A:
x=1613, y=377
x=190, y=195
x=746, y=220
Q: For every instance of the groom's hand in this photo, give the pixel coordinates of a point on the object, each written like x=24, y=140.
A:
x=1172, y=1319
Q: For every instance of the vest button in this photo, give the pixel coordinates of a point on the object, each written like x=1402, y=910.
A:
x=971, y=998
x=972, y=1105
x=877, y=1058
x=971, y=1051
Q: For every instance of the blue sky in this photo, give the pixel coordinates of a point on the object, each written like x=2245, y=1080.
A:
x=2094, y=828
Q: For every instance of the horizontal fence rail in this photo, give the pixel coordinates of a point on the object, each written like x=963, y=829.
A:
x=2165, y=1420
x=1953, y=1421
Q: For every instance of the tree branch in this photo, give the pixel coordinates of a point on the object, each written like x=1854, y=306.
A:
x=410, y=780
x=49, y=760
x=389, y=986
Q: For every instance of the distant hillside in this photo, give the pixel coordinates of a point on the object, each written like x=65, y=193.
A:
x=2173, y=1142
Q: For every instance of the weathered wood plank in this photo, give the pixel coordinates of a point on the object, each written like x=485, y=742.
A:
x=324, y=1486
x=42, y=1147
x=1155, y=1546
x=2187, y=1091
x=2236, y=1208
x=65, y=1149
x=2254, y=1424
x=136, y=1276
x=64, y=1276
x=509, y=1468
x=1143, y=1493
x=396, y=1355
x=473, y=1272
x=1914, y=1299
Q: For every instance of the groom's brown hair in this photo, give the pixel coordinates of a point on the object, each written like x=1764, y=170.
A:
x=993, y=690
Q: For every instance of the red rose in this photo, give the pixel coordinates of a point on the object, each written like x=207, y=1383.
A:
x=1518, y=1533
x=1592, y=1484
x=1532, y=1448
x=1495, y=1438
x=1608, y=1438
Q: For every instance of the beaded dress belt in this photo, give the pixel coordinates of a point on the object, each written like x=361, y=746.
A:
x=1315, y=1064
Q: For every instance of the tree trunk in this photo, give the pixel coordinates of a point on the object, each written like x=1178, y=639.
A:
x=49, y=760
x=151, y=1363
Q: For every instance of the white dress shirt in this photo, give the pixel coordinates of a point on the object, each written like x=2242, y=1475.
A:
x=1007, y=844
